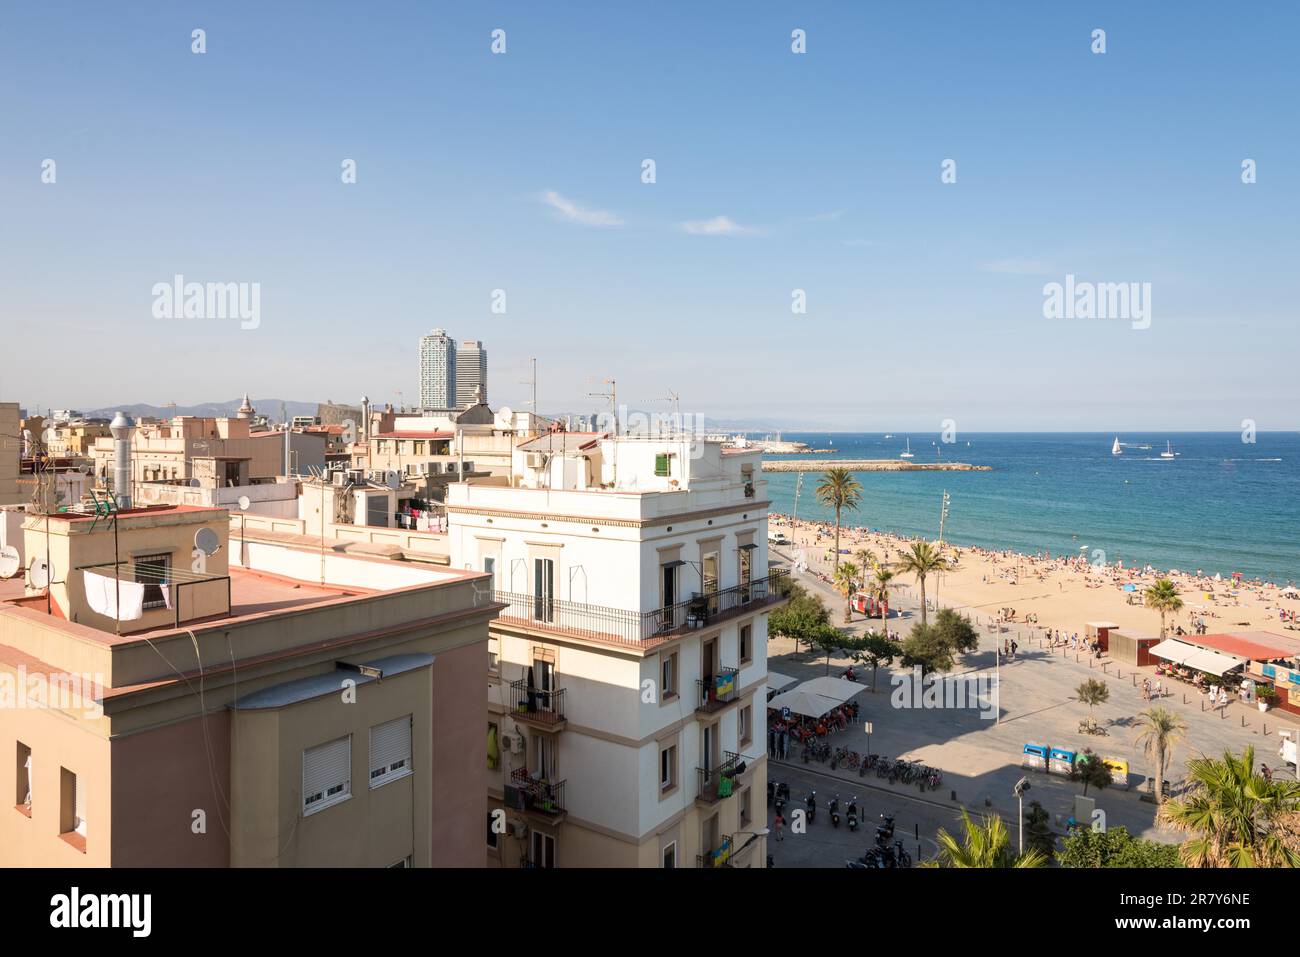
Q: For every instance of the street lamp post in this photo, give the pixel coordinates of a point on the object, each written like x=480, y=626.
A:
x=1019, y=791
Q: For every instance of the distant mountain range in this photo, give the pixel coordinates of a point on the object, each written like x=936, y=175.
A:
x=268, y=407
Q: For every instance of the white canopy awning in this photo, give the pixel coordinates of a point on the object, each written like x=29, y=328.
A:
x=803, y=702
x=1212, y=662
x=837, y=689
x=776, y=681
x=1176, y=651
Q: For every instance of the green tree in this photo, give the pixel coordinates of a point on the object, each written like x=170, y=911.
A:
x=923, y=560
x=1161, y=730
x=928, y=648
x=1090, y=769
x=828, y=639
x=956, y=630
x=839, y=490
x=1115, y=847
x=1163, y=597
x=1235, y=816
x=881, y=580
x=1038, y=830
x=986, y=844
x=875, y=650
x=800, y=618
x=1092, y=692
x=846, y=580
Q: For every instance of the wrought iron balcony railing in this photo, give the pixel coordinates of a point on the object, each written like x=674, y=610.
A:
x=718, y=691
x=534, y=704
x=526, y=793
x=720, y=782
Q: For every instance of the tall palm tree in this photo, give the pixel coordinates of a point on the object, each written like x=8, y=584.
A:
x=1161, y=730
x=846, y=580
x=1237, y=817
x=983, y=845
x=922, y=560
x=880, y=582
x=1163, y=597
x=866, y=559
x=839, y=490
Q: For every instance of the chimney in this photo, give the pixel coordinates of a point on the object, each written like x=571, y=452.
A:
x=122, y=428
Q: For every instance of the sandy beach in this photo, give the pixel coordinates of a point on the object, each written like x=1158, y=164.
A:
x=1062, y=592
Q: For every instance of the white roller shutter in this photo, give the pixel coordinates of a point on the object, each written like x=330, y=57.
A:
x=327, y=774
x=390, y=750
x=79, y=805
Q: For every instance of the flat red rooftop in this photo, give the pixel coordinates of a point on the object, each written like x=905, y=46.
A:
x=1260, y=647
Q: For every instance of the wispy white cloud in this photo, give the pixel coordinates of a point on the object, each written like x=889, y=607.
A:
x=718, y=226
x=574, y=213
x=1017, y=267
x=827, y=217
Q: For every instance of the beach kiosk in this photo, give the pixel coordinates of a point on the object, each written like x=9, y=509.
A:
x=1034, y=756
x=1101, y=631
x=1060, y=761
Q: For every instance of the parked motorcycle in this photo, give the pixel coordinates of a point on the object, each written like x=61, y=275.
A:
x=779, y=796
x=851, y=815
x=810, y=802
x=886, y=827
x=834, y=808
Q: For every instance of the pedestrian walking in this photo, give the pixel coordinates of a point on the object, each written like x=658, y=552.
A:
x=771, y=742
x=1014, y=646
x=780, y=827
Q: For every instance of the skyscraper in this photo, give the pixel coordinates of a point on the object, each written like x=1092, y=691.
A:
x=471, y=372
x=438, y=371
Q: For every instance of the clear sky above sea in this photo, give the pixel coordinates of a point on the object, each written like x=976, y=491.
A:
x=775, y=171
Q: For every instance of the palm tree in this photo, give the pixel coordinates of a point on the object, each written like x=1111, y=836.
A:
x=846, y=579
x=1163, y=597
x=866, y=560
x=1161, y=730
x=881, y=580
x=839, y=490
x=1236, y=816
x=1093, y=692
x=983, y=845
x=923, y=560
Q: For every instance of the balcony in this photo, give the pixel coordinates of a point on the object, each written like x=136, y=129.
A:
x=718, y=691
x=636, y=629
x=535, y=707
x=542, y=798
x=719, y=856
x=718, y=783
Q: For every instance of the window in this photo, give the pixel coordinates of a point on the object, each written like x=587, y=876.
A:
x=668, y=676
x=543, y=589
x=543, y=850
x=745, y=812
x=663, y=465
x=390, y=751
x=326, y=774
x=670, y=856
x=494, y=654
x=493, y=839
x=667, y=767
x=746, y=643
x=494, y=747
x=490, y=566
x=152, y=570
x=419, y=448
x=746, y=724
x=72, y=804
x=23, y=797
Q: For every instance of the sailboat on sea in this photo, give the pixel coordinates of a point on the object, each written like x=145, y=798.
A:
x=1115, y=449
x=908, y=453
x=1169, y=452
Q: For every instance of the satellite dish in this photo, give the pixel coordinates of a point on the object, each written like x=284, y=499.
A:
x=206, y=541
x=40, y=573
x=244, y=503
x=195, y=483
x=10, y=561
x=506, y=413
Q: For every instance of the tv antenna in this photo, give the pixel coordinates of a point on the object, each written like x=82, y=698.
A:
x=612, y=395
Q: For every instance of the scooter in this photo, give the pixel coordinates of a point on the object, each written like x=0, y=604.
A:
x=852, y=815
x=834, y=808
x=886, y=827
x=849, y=675
x=779, y=796
x=811, y=802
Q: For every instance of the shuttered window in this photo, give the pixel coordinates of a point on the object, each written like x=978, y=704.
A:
x=390, y=751
x=79, y=806
x=326, y=774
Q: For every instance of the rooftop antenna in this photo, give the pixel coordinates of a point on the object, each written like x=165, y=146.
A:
x=612, y=395
x=532, y=381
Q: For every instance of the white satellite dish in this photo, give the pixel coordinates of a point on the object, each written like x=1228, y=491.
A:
x=10, y=561
x=41, y=573
x=206, y=541
x=244, y=503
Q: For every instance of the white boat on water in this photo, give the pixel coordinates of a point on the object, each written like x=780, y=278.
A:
x=1115, y=449
x=908, y=453
x=1169, y=452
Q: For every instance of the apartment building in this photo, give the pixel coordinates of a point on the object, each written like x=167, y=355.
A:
x=179, y=698
x=628, y=668
x=471, y=373
x=11, y=451
x=438, y=370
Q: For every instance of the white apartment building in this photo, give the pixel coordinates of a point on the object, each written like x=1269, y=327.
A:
x=438, y=371
x=627, y=687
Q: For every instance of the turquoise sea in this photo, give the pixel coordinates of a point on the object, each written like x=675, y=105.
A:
x=1222, y=505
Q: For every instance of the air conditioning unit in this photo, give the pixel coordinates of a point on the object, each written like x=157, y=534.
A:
x=468, y=466
x=519, y=743
x=535, y=460
x=517, y=827
x=507, y=742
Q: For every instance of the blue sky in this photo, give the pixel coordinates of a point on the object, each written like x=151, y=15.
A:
x=924, y=299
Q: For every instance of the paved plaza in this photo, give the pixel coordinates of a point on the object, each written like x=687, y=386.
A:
x=981, y=757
